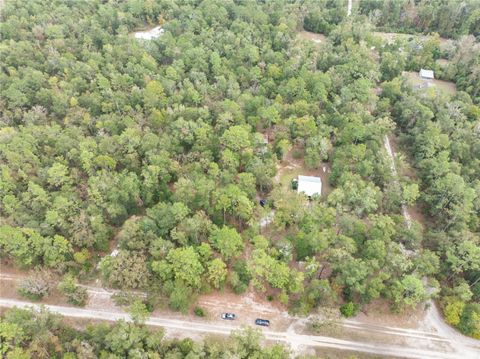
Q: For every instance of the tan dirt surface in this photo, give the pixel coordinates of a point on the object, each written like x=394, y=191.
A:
x=316, y=38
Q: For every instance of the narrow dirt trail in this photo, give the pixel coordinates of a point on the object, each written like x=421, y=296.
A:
x=391, y=155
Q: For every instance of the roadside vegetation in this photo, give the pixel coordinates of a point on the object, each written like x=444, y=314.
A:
x=162, y=149
x=28, y=334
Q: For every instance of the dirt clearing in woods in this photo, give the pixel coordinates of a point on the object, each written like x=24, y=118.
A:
x=148, y=34
x=390, y=37
x=247, y=307
x=442, y=62
x=316, y=38
x=290, y=168
x=10, y=281
x=378, y=312
x=414, y=78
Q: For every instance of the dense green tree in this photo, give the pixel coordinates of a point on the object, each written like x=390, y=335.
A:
x=138, y=311
x=349, y=309
x=227, y=241
x=125, y=270
x=409, y=291
x=470, y=319
x=392, y=65
x=180, y=297
x=217, y=272
x=184, y=265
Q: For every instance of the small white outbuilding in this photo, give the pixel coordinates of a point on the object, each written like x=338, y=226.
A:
x=426, y=74
x=150, y=34
x=309, y=185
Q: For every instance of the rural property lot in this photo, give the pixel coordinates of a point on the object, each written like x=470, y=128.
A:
x=447, y=87
x=262, y=179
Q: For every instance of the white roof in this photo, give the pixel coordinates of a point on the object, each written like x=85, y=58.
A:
x=149, y=34
x=427, y=74
x=309, y=185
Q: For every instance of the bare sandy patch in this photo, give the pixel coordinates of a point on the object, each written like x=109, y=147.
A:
x=247, y=307
x=391, y=37
x=379, y=313
x=442, y=62
x=316, y=38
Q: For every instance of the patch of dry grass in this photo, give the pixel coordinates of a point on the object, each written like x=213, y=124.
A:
x=446, y=87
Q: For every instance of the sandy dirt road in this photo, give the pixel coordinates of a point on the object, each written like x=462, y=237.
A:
x=433, y=339
x=294, y=340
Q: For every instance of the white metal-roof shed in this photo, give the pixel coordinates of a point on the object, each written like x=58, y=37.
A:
x=150, y=34
x=309, y=185
x=426, y=74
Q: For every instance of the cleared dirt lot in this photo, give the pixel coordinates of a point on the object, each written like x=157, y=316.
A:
x=391, y=37
x=317, y=38
x=291, y=167
x=448, y=88
x=442, y=62
x=148, y=33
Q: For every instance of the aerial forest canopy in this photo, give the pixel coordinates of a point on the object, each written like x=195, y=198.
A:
x=450, y=19
x=163, y=148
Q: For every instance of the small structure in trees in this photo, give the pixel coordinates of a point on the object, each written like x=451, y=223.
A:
x=309, y=185
x=149, y=34
x=426, y=74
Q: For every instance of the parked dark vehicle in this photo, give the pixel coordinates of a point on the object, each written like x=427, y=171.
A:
x=228, y=316
x=263, y=202
x=262, y=322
